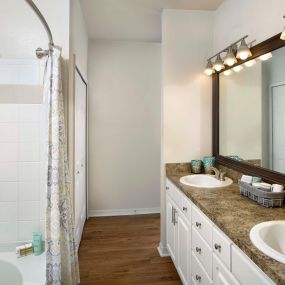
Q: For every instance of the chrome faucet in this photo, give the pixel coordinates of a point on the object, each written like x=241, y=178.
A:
x=218, y=173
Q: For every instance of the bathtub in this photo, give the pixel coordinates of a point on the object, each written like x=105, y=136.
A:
x=28, y=270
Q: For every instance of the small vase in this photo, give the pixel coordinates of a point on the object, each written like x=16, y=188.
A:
x=208, y=162
x=196, y=166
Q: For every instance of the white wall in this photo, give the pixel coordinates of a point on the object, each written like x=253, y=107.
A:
x=260, y=19
x=186, y=44
x=22, y=180
x=21, y=31
x=78, y=37
x=187, y=38
x=124, y=126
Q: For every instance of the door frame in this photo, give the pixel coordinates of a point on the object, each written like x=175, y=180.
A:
x=270, y=131
x=86, y=136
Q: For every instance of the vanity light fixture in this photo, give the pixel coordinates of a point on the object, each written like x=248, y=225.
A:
x=227, y=72
x=238, y=68
x=209, y=68
x=218, y=64
x=282, y=37
x=250, y=63
x=266, y=56
x=243, y=51
x=230, y=58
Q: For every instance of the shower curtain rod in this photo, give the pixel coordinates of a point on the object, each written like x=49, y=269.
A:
x=39, y=51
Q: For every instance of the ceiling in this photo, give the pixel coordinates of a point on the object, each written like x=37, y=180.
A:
x=133, y=20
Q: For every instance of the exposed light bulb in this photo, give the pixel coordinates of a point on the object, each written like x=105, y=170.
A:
x=250, y=63
x=218, y=64
x=243, y=51
x=266, y=56
x=237, y=68
x=230, y=58
x=209, y=69
x=282, y=37
x=227, y=72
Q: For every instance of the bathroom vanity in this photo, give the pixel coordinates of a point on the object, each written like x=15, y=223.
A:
x=208, y=236
x=208, y=229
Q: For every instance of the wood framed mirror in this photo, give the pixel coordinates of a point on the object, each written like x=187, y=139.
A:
x=248, y=133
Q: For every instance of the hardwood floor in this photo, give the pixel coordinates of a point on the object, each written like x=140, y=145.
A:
x=123, y=251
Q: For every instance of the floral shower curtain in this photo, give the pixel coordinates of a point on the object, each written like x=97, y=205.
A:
x=61, y=254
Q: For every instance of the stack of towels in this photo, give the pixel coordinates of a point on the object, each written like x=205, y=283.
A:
x=258, y=183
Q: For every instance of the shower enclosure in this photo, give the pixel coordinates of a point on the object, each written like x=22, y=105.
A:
x=22, y=176
x=37, y=192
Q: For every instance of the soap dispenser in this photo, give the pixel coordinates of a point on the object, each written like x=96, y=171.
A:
x=37, y=243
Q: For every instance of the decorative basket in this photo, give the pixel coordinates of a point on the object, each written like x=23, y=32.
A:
x=266, y=199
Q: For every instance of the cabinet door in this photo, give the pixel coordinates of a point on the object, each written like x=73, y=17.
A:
x=183, y=249
x=246, y=271
x=170, y=230
x=221, y=275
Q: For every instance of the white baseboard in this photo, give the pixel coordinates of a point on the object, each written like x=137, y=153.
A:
x=123, y=212
x=163, y=251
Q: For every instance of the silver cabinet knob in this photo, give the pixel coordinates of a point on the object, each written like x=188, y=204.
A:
x=217, y=247
x=198, y=225
x=78, y=172
x=167, y=188
x=198, y=278
x=199, y=250
x=185, y=209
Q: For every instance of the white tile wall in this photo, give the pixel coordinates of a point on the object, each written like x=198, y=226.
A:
x=22, y=180
x=22, y=195
x=8, y=191
x=21, y=71
x=9, y=152
x=8, y=113
x=9, y=132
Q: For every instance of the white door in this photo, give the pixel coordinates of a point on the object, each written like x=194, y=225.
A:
x=183, y=249
x=278, y=128
x=80, y=185
x=170, y=230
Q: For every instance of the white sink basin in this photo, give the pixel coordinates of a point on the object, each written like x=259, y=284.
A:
x=204, y=181
x=269, y=237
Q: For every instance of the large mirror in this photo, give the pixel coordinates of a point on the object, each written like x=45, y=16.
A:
x=252, y=112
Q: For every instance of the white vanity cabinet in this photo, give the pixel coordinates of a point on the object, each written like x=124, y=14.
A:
x=170, y=230
x=183, y=248
x=179, y=233
x=201, y=252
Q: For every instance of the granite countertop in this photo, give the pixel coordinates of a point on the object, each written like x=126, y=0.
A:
x=235, y=215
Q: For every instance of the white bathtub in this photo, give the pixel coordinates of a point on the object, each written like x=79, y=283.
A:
x=28, y=270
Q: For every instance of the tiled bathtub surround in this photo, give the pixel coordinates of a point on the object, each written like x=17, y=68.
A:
x=22, y=197
x=21, y=172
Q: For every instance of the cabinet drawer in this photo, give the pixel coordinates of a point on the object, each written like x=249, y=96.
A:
x=202, y=251
x=202, y=224
x=246, y=271
x=186, y=208
x=174, y=193
x=221, y=275
x=199, y=276
x=222, y=247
